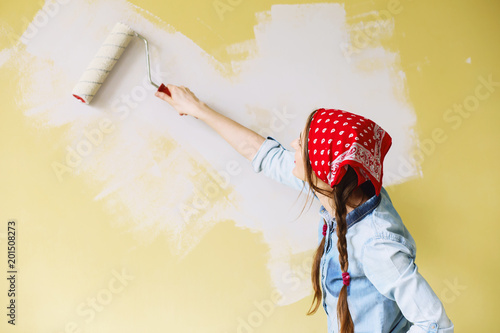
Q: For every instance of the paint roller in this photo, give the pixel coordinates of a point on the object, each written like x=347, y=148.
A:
x=104, y=61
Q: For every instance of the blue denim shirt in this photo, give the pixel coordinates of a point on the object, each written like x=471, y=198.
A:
x=386, y=292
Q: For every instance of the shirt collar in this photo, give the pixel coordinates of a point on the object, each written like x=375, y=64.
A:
x=355, y=215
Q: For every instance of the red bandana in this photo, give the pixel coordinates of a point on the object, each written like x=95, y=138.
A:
x=338, y=138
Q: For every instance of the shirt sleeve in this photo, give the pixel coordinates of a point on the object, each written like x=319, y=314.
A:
x=390, y=266
x=277, y=163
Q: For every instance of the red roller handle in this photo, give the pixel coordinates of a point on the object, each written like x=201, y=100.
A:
x=163, y=88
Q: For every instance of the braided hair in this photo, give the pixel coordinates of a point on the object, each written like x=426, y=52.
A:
x=340, y=196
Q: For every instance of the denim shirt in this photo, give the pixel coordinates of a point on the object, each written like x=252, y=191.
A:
x=386, y=292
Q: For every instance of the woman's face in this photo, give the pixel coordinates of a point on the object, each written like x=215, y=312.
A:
x=298, y=144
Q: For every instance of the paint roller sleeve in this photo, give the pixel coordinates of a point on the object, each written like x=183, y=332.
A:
x=103, y=62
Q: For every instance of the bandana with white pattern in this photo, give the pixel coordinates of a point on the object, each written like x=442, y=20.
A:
x=339, y=138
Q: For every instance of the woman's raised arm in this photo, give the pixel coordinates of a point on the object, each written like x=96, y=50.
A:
x=244, y=140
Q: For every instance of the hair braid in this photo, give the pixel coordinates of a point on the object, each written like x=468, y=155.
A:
x=340, y=195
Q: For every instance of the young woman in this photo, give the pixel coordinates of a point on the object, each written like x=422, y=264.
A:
x=369, y=281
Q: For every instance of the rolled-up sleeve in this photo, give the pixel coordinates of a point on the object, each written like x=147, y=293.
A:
x=277, y=163
x=390, y=266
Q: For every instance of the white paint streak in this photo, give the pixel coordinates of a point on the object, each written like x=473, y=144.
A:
x=5, y=55
x=153, y=160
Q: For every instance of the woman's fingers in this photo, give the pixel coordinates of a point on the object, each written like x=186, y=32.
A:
x=165, y=96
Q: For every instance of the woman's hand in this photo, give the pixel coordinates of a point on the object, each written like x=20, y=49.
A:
x=183, y=101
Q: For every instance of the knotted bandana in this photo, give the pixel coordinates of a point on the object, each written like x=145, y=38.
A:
x=339, y=138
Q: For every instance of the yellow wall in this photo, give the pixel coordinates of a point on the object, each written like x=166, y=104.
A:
x=69, y=253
